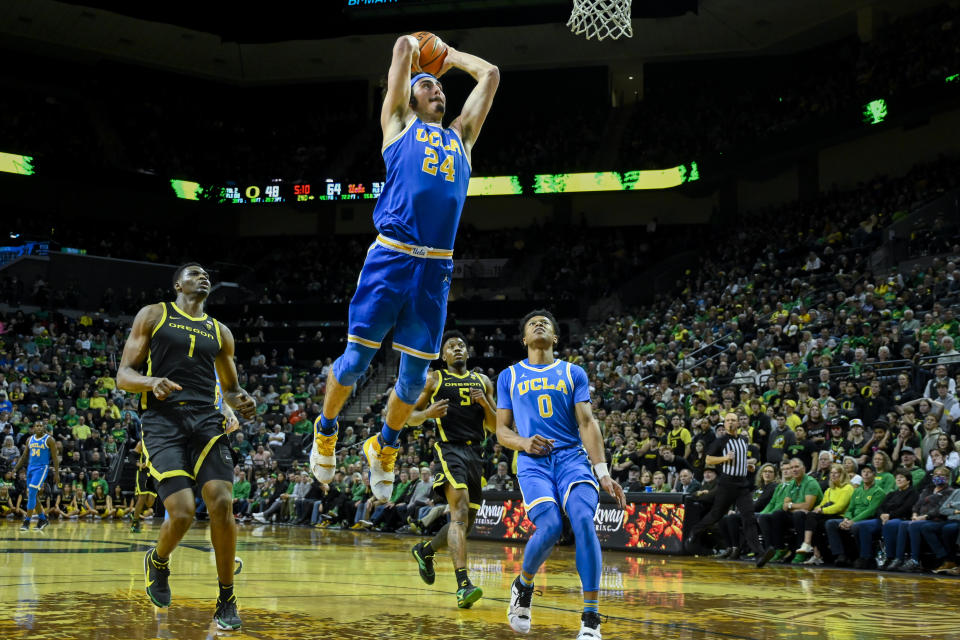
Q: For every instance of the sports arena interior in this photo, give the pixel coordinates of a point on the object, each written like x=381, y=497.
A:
x=745, y=207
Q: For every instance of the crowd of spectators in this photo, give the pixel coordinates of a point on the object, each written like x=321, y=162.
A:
x=695, y=110
x=843, y=376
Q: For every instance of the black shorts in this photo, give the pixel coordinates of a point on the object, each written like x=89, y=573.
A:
x=145, y=484
x=461, y=468
x=186, y=444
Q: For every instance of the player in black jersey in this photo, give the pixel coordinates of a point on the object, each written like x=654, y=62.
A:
x=184, y=439
x=146, y=493
x=462, y=404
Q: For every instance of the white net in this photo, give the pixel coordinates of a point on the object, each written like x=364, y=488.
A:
x=601, y=19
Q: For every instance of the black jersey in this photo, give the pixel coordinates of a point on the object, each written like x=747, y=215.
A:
x=464, y=420
x=184, y=349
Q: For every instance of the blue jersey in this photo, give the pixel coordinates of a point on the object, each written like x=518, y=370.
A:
x=39, y=451
x=427, y=178
x=218, y=394
x=543, y=399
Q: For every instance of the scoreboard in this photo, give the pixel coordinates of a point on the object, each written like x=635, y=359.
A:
x=328, y=190
x=301, y=192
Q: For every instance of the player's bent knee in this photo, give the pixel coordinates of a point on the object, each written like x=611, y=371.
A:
x=412, y=378
x=582, y=504
x=546, y=517
x=352, y=364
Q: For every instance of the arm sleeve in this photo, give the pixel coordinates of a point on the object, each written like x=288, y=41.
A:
x=581, y=384
x=504, y=401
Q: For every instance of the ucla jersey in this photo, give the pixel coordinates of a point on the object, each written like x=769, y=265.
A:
x=427, y=178
x=543, y=399
x=39, y=451
x=218, y=394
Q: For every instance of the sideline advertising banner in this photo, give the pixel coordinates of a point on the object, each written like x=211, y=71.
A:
x=651, y=522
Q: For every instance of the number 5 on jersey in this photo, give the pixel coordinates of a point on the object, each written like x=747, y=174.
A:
x=430, y=164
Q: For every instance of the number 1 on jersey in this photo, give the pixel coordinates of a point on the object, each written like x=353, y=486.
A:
x=193, y=342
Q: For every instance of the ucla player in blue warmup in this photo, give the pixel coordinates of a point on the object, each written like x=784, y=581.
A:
x=38, y=455
x=561, y=464
x=407, y=271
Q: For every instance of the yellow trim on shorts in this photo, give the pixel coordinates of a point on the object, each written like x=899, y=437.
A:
x=566, y=494
x=527, y=507
x=160, y=477
x=415, y=353
x=363, y=341
x=414, y=250
x=203, y=454
x=474, y=505
x=446, y=470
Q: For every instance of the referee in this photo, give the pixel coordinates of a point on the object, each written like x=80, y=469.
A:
x=729, y=453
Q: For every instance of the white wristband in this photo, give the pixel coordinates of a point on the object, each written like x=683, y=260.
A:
x=600, y=469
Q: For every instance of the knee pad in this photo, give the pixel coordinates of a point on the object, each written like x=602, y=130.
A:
x=412, y=378
x=353, y=363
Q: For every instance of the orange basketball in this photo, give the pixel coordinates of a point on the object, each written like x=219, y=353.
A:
x=432, y=52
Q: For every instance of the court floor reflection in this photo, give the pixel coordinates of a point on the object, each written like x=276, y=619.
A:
x=84, y=581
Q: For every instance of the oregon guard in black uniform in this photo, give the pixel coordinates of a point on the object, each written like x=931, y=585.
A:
x=462, y=404
x=184, y=441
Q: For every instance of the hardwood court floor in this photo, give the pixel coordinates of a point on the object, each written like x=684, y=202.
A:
x=84, y=581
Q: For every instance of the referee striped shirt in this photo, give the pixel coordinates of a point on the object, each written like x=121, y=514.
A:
x=734, y=471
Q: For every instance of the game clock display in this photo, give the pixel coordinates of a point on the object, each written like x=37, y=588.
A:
x=304, y=192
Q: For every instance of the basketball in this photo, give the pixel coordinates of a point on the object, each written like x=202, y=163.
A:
x=433, y=52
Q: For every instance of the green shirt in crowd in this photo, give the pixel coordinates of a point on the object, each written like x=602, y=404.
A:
x=864, y=502
x=885, y=481
x=241, y=490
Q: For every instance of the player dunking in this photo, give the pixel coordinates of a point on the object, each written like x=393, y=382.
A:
x=461, y=403
x=407, y=271
x=558, y=439
x=184, y=437
x=38, y=455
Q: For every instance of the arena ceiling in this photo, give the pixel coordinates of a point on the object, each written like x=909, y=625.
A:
x=259, y=43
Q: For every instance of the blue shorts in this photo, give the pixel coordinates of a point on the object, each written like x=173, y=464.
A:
x=36, y=476
x=404, y=292
x=550, y=478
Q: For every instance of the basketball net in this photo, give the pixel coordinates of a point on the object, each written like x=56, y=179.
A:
x=601, y=19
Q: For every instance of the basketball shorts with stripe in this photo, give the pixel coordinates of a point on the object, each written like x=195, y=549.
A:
x=462, y=468
x=186, y=444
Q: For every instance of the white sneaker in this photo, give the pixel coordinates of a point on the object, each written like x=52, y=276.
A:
x=323, y=458
x=589, y=627
x=813, y=560
x=518, y=614
x=381, y=461
x=259, y=518
x=805, y=548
